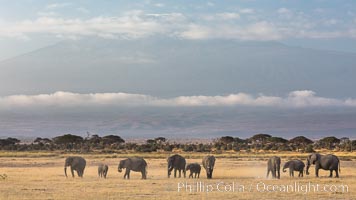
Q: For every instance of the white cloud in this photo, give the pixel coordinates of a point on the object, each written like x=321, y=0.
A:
x=56, y=6
x=228, y=15
x=160, y=5
x=196, y=32
x=295, y=99
x=261, y=31
x=247, y=11
x=137, y=24
x=129, y=26
x=47, y=14
x=257, y=31
x=331, y=22
x=283, y=11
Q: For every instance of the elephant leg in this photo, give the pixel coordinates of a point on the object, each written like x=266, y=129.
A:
x=128, y=174
x=292, y=173
x=316, y=172
x=273, y=173
x=337, y=173
x=278, y=173
x=198, y=174
x=180, y=173
x=175, y=173
x=71, y=170
x=184, y=172
x=143, y=174
x=268, y=170
x=331, y=173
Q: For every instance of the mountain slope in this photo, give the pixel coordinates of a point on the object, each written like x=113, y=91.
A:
x=172, y=67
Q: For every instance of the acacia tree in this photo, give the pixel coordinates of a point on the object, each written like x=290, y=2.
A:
x=345, y=143
x=259, y=139
x=329, y=142
x=300, y=142
x=68, y=141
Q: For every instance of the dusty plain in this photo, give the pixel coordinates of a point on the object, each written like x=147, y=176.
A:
x=40, y=175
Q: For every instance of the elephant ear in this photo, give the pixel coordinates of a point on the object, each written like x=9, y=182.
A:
x=317, y=156
x=128, y=162
x=69, y=160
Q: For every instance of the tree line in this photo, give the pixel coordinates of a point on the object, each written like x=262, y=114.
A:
x=114, y=143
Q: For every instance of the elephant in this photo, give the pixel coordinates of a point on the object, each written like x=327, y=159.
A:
x=325, y=162
x=103, y=170
x=194, y=169
x=273, y=166
x=76, y=163
x=208, y=164
x=176, y=162
x=294, y=165
x=135, y=164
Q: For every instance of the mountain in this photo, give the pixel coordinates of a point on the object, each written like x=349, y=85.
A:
x=169, y=67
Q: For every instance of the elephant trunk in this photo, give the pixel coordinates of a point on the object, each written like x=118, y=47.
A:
x=169, y=171
x=307, y=170
x=284, y=169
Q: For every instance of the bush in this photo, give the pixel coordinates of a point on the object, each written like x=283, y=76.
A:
x=309, y=149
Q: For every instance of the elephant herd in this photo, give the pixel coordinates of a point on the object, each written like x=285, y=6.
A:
x=178, y=164
x=326, y=162
x=136, y=164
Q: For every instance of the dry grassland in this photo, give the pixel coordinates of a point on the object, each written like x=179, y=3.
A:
x=41, y=176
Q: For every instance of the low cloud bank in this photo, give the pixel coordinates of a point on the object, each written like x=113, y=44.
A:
x=295, y=99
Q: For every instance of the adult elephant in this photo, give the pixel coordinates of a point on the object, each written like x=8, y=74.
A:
x=208, y=164
x=76, y=163
x=273, y=166
x=294, y=165
x=326, y=162
x=176, y=162
x=135, y=164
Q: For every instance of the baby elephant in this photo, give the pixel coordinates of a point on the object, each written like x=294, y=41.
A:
x=103, y=170
x=294, y=165
x=194, y=169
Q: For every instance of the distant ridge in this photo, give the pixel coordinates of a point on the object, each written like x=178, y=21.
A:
x=163, y=66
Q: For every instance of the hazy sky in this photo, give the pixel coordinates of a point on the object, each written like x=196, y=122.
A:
x=325, y=24
x=105, y=87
